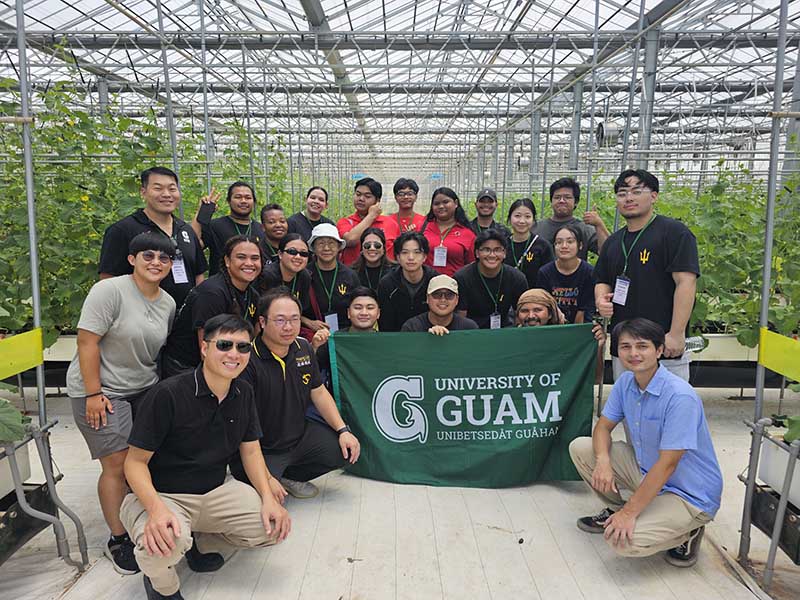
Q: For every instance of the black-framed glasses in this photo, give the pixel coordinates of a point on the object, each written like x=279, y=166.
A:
x=296, y=252
x=226, y=345
x=151, y=255
x=372, y=245
x=443, y=295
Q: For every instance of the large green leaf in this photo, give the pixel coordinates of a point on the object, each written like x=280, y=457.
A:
x=11, y=425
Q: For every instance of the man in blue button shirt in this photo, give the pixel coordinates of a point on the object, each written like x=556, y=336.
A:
x=669, y=464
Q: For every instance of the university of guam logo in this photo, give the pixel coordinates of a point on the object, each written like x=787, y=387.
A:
x=529, y=256
x=644, y=256
x=343, y=289
x=413, y=423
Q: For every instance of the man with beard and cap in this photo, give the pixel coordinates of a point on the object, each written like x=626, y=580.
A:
x=537, y=307
x=486, y=206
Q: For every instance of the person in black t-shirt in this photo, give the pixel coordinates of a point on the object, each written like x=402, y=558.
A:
x=402, y=293
x=275, y=228
x=186, y=430
x=331, y=281
x=569, y=278
x=372, y=263
x=486, y=206
x=363, y=312
x=489, y=288
x=285, y=376
x=441, y=317
x=213, y=233
x=290, y=270
x=303, y=222
x=653, y=266
x=161, y=195
x=526, y=250
x=231, y=291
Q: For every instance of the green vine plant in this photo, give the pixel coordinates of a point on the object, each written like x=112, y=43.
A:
x=87, y=164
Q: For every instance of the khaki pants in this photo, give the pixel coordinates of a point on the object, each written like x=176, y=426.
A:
x=664, y=523
x=229, y=514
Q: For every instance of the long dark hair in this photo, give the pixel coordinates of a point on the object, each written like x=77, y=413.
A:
x=527, y=203
x=360, y=264
x=234, y=308
x=461, y=216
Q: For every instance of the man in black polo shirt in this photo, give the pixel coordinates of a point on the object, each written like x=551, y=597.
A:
x=286, y=379
x=486, y=206
x=489, y=288
x=649, y=269
x=161, y=196
x=441, y=317
x=213, y=233
x=186, y=430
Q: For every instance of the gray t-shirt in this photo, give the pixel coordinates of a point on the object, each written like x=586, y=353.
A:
x=132, y=331
x=547, y=228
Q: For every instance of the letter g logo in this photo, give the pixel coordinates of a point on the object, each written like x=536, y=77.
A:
x=413, y=425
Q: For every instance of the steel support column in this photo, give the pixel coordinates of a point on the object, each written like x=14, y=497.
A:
x=575, y=137
x=170, y=116
x=204, y=69
x=791, y=160
x=33, y=239
x=648, y=93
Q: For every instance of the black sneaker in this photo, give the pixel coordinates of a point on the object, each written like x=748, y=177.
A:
x=685, y=555
x=203, y=563
x=594, y=524
x=154, y=595
x=120, y=553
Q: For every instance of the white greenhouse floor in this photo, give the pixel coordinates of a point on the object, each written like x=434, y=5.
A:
x=363, y=539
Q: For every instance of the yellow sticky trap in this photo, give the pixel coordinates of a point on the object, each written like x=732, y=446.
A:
x=779, y=353
x=21, y=352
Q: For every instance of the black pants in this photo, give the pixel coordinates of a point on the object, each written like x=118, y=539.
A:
x=316, y=453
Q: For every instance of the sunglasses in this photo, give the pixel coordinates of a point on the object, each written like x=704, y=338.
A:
x=150, y=256
x=372, y=245
x=296, y=252
x=443, y=294
x=226, y=345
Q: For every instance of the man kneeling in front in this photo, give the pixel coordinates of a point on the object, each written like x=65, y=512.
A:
x=671, y=467
x=186, y=430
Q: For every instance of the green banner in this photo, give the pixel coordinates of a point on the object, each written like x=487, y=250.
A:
x=473, y=408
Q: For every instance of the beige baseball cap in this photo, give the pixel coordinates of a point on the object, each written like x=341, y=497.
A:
x=442, y=282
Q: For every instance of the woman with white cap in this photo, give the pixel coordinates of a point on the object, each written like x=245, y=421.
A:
x=331, y=280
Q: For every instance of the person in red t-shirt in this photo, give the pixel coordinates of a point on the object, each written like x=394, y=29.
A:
x=367, y=202
x=405, y=194
x=448, y=232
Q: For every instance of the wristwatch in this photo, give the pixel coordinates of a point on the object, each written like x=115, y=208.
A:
x=343, y=430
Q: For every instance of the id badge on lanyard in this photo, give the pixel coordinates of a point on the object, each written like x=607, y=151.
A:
x=179, y=270
x=332, y=320
x=440, y=256
x=621, y=288
x=494, y=321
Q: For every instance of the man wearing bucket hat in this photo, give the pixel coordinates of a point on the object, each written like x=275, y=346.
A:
x=441, y=317
x=486, y=206
x=331, y=280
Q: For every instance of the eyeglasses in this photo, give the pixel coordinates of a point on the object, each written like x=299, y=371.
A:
x=487, y=251
x=325, y=243
x=633, y=192
x=372, y=245
x=281, y=322
x=296, y=252
x=569, y=197
x=150, y=256
x=443, y=295
x=405, y=195
x=408, y=253
x=226, y=345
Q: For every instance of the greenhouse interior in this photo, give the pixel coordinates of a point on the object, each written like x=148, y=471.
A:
x=507, y=95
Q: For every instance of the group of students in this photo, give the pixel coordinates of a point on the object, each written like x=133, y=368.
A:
x=168, y=360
